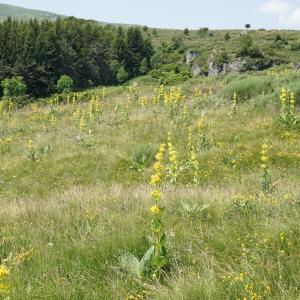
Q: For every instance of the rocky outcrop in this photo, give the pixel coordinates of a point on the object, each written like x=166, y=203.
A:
x=196, y=70
x=236, y=66
x=297, y=65
x=214, y=69
x=190, y=56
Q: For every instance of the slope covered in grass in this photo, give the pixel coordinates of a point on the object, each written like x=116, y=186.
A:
x=21, y=13
x=75, y=192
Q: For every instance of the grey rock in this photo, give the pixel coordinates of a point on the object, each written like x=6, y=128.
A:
x=297, y=65
x=214, y=69
x=190, y=56
x=196, y=70
x=236, y=66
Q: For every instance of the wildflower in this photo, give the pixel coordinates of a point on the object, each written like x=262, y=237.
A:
x=4, y=288
x=264, y=155
x=53, y=120
x=265, y=166
x=155, y=179
x=4, y=271
x=184, y=113
x=189, y=140
x=156, y=194
x=157, y=166
x=234, y=103
x=30, y=146
x=283, y=98
x=155, y=209
x=292, y=102
x=82, y=123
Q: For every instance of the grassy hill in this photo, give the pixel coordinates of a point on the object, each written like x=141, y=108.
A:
x=24, y=13
x=75, y=191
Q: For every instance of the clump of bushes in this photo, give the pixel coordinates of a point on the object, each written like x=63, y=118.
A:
x=295, y=47
x=247, y=48
x=247, y=88
x=14, y=88
x=221, y=58
x=171, y=74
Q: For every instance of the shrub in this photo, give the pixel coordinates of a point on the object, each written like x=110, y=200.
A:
x=247, y=48
x=186, y=31
x=176, y=43
x=122, y=75
x=248, y=87
x=65, y=84
x=221, y=58
x=154, y=32
x=171, y=78
x=227, y=36
x=144, y=66
x=295, y=47
x=14, y=87
x=203, y=31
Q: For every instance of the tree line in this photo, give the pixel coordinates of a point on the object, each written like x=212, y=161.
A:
x=92, y=55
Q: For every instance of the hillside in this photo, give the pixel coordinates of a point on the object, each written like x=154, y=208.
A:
x=21, y=13
x=76, y=194
x=140, y=163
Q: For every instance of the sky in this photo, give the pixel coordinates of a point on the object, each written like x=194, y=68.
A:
x=193, y=14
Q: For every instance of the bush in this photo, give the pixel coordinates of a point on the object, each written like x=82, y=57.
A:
x=221, y=58
x=249, y=87
x=247, y=48
x=295, y=47
x=227, y=36
x=144, y=66
x=171, y=78
x=14, y=87
x=65, y=84
x=203, y=31
x=122, y=75
x=186, y=31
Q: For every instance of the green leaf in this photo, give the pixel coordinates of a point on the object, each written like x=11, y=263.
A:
x=130, y=263
x=163, y=238
x=146, y=262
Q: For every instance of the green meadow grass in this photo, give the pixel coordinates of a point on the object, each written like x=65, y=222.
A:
x=67, y=216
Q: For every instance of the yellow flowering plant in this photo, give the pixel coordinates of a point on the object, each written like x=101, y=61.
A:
x=173, y=168
x=266, y=179
x=155, y=258
x=31, y=153
x=234, y=104
x=287, y=117
x=4, y=286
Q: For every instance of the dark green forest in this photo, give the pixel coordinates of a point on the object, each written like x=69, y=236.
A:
x=92, y=55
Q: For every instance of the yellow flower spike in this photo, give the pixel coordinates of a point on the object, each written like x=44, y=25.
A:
x=30, y=145
x=292, y=102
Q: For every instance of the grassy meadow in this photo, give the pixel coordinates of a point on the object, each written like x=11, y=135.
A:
x=75, y=190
